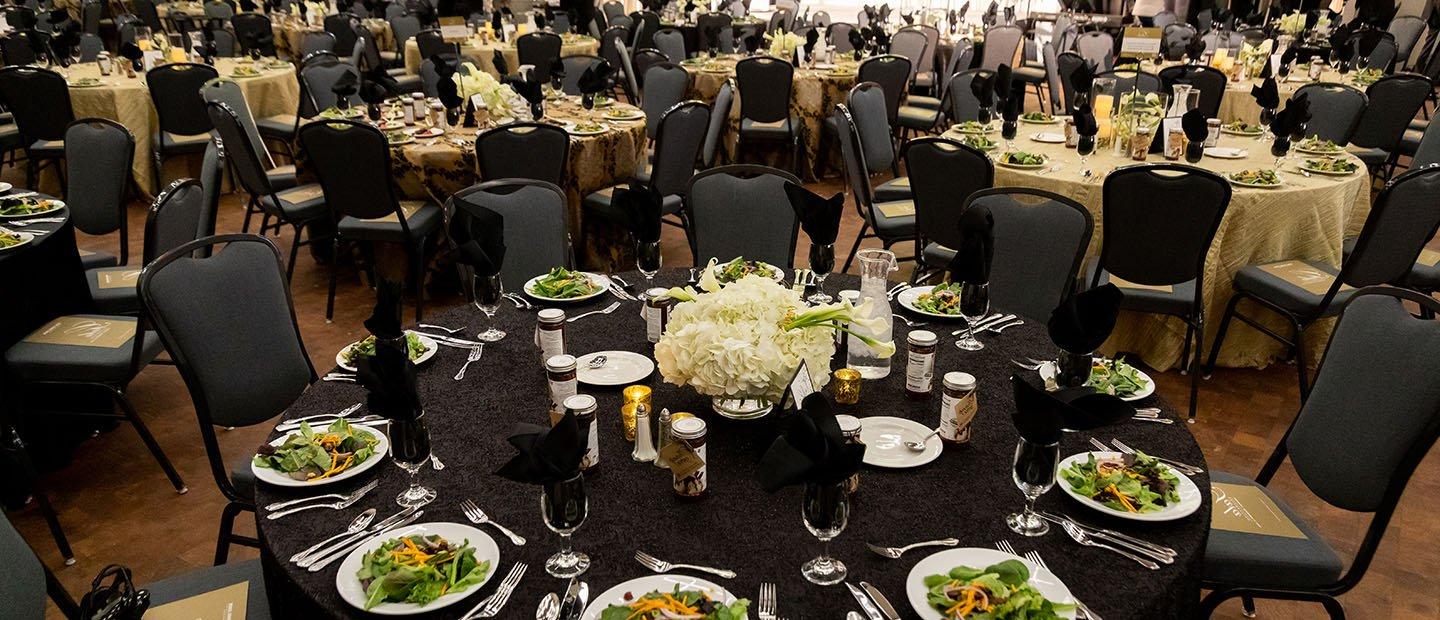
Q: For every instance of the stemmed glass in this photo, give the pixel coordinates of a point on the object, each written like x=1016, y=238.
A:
x=564, y=506
x=825, y=510
x=1034, y=474
x=1085, y=145
x=647, y=259
x=822, y=261
x=489, y=290
x=410, y=447
x=974, y=305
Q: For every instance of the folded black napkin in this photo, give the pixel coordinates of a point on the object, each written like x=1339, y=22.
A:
x=819, y=216
x=908, y=18
x=131, y=52
x=811, y=38
x=479, y=239
x=248, y=6
x=1195, y=48
x=1082, y=322
x=1081, y=79
x=501, y=67
x=498, y=27
x=596, y=78
x=857, y=41
x=971, y=263
x=1003, y=82
x=446, y=88
x=990, y=13
x=540, y=20
x=754, y=41
x=882, y=40
x=1042, y=417
x=983, y=87
x=388, y=376
x=1193, y=122
x=1266, y=94
x=1286, y=57
x=869, y=14
x=964, y=8
x=1085, y=124
x=811, y=450
x=546, y=455
x=345, y=87
x=689, y=6
x=1265, y=73
x=1295, y=114
x=639, y=207
x=557, y=73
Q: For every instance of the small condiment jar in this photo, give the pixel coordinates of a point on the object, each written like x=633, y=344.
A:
x=584, y=407
x=1140, y=144
x=418, y=107
x=550, y=332
x=1072, y=137
x=850, y=430
x=1315, y=69
x=957, y=407
x=564, y=383
x=1212, y=132
x=920, y=369
x=656, y=312
x=1175, y=146
x=691, y=432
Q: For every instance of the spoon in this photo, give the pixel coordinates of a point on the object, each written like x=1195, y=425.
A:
x=919, y=446
x=597, y=362
x=549, y=607
x=360, y=522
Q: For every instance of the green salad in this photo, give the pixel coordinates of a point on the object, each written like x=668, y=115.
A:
x=26, y=206
x=978, y=141
x=561, y=283
x=1336, y=165
x=1255, y=177
x=1242, y=127
x=10, y=238
x=1037, y=117
x=1116, y=378
x=1021, y=158
x=1316, y=144
x=396, y=137
x=366, y=348
x=419, y=569
x=678, y=603
x=1366, y=77
x=588, y=127
x=943, y=299
x=739, y=268
x=997, y=592
x=1132, y=483
x=972, y=127
x=308, y=455
x=338, y=113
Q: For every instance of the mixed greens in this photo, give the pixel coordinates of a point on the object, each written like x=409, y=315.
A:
x=1037, y=117
x=1116, y=378
x=1366, y=77
x=689, y=604
x=1315, y=144
x=739, y=268
x=997, y=592
x=973, y=127
x=366, y=348
x=1132, y=483
x=26, y=206
x=339, y=113
x=419, y=569
x=943, y=299
x=624, y=114
x=10, y=238
x=978, y=141
x=1332, y=165
x=397, y=137
x=588, y=127
x=1242, y=127
x=1255, y=177
x=244, y=70
x=1021, y=158
x=308, y=455
x=85, y=81
x=561, y=283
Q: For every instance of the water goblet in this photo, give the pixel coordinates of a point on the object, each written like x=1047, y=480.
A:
x=974, y=305
x=564, y=506
x=1034, y=474
x=825, y=509
x=489, y=290
x=822, y=261
x=410, y=448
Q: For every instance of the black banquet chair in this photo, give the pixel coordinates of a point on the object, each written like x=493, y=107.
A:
x=1394, y=101
x=96, y=184
x=184, y=125
x=890, y=221
x=677, y=146
x=535, y=215
x=174, y=219
x=743, y=211
x=1209, y=80
x=1334, y=110
x=536, y=151
x=540, y=49
x=1040, y=242
x=40, y=100
x=665, y=86
x=764, y=85
x=867, y=106
x=943, y=174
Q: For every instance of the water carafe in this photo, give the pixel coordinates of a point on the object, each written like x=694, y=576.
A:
x=875, y=268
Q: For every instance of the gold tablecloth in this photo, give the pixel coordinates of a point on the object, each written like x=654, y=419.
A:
x=127, y=101
x=435, y=169
x=485, y=52
x=1307, y=218
x=1239, y=105
x=290, y=30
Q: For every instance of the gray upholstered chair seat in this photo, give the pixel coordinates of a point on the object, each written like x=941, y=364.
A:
x=777, y=130
x=305, y=202
x=113, y=300
x=48, y=148
x=33, y=361
x=916, y=117
x=892, y=190
x=1410, y=142
x=920, y=101
x=936, y=255
x=1422, y=276
x=890, y=228
x=1269, y=561
x=1372, y=157
x=186, y=585
x=924, y=80
x=282, y=177
x=1260, y=283
x=280, y=126
x=423, y=219
x=176, y=143
x=1177, y=300
x=601, y=200
x=1030, y=74
x=90, y=259
x=10, y=136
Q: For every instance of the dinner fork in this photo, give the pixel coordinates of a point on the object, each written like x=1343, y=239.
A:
x=896, y=290
x=344, y=503
x=661, y=566
x=360, y=492
x=448, y=330
x=478, y=517
x=1184, y=468
x=1084, y=538
x=765, y=609
x=894, y=553
x=1034, y=556
x=491, y=606
x=608, y=309
x=475, y=354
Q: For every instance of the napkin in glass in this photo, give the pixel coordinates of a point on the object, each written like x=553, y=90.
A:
x=479, y=239
x=1195, y=48
x=388, y=376
x=1042, y=417
x=596, y=78
x=1266, y=94
x=1085, y=124
x=1082, y=322
x=811, y=450
x=546, y=455
x=639, y=209
x=1193, y=122
x=971, y=263
x=819, y=216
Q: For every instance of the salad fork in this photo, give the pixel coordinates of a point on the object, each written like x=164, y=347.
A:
x=894, y=553
x=765, y=608
x=1034, y=556
x=490, y=606
x=608, y=309
x=661, y=566
x=478, y=517
x=448, y=330
x=360, y=522
x=344, y=413
x=475, y=354
x=1084, y=538
x=360, y=492
x=909, y=322
x=344, y=503
x=1184, y=468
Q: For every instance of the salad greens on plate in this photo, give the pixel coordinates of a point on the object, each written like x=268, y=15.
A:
x=739, y=268
x=419, y=569
x=978, y=141
x=997, y=592
x=308, y=455
x=973, y=127
x=1330, y=165
x=1133, y=483
x=9, y=238
x=366, y=348
x=1037, y=117
x=943, y=299
x=689, y=604
x=1316, y=144
x=1116, y=378
x=27, y=206
x=562, y=283
x=1243, y=128
x=1021, y=158
x=1265, y=178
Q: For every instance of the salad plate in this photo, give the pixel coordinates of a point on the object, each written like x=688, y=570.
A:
x=281, y=479
x=10, y=240
x=1330, y=166
x=885, y=439
x=623, y=114
x=1226, y=152
x=422, y=348
x=1257, y=179
x=562, y=286
x=586, y=129
x=5, y=187
x=1186, y=502
x=738, y=268
x=427, y=132
x=86, y=82
x=1047, y=372
x=1240, y=128
x=620, y=368
x=628, y=592
x=1020, y=160
x=31, y=206
x=922, y=300
x=1039, y=118
x=1048, y=137
x=486, y=559
x=973, y=127
x=942, y=563
x=390, y=125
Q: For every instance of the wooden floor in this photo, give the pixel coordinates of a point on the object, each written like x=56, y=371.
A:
x=118, y=508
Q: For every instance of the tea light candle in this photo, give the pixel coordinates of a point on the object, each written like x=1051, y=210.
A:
x=627, y=419
x=634, y=395
x=846, y=386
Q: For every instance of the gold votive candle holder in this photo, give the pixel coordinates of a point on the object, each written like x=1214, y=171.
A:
x=637, y=394
x=627, y=419
x=846, y=386
x=634, y=395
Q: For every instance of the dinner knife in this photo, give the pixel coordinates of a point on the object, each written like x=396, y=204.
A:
x=880, y=601
x=871, y=611
x=570, y=603
x=321, y=559
x=346, y=549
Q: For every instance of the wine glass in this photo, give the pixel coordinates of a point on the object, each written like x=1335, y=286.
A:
x=410, y=448
x=563, y=505
x=822, y=261
x=1008, y=129
x=489, y=290
x=974, y=305
x=1034, y=474
x=647, y=259
x=1280, y=148
x=825, y=509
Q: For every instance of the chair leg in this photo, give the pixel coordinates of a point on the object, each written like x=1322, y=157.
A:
x=1334, y=608
x=855, y=248
x=1300, y=361
x=227, y=524
x=330, y=298
x=150, y=442
x=31, y=173
x=294, y=252
x=1194, y=364
x=1220, y=335
x=1247, y=604
x=27, y=469
x=249, y=211
x=1185, y=350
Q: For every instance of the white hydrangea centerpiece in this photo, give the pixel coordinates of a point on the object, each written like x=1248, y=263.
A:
x=501, y=100
x=783, y=44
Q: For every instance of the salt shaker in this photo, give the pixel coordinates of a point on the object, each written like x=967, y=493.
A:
x=644, y=447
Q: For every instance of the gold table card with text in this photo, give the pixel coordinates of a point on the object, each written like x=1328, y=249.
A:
x=227, y=603
x=85, y=331
x=1246, y=509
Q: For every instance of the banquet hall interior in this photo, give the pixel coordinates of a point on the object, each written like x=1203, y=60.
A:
x=1036, y=309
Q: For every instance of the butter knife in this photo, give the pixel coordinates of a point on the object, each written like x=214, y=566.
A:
x=570, y=603
x=871, y=611
x=880, y=601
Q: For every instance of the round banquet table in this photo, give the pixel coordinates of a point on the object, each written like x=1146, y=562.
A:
x=1239, y=105
x=964, y=494
x=484, y=53
x=1308, y=218
x=290, y=29
x=813, y=98
x=127, y=101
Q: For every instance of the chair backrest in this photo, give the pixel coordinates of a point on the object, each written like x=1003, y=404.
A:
x=99, y=153
x=1067, y=37
x=1000, y=45
x=1163, y=19
x=892, y=74
x=244, y=160
x=852, y=155
x=39, y=99
x=225, y=46
x=342, y=25
x=647, y=23
x=912, y=45
x=175, y=218
x=719, y=120
x=175, y=90
x=1253, y=36
x=1040, y=242
x=1175, y=38
x=205, y=309
x=1394, y=101
x=1159, y=220
x=23, y=589
x=1216, y=39
x=665, y=86
x=1402, y=220
x=820, y=19
x=229, y=92
x=394, y=9
x=779, y=20
x=16, y=50
x=254, y=31
x=960, y=57
x=631, y=84
x=743, y=211
x=147, y=12
x=352, y=161
x=1382, y=54
x=90, y=12
x=535, y=216
x=612, y=9
x=319, y=80
x=1098, y=48
x=1407, y=30
x=212, y=178
x=318, y=41
x=403, y=27
x=964, y=105
x=1210, y=81
x=429, y=78
x=90, y=47
x=677, y=146
x=1059, y=101
x=1428, y=152
x=541, y=49
x=218, y=10
x=1065, y=64
x=671, y=43
x=608, y=40
x=642, y=60
x=838, y=34
x=575, y=67
x=431, y=43
x=764, y=84
x=716, y=21
x=943, y=173
x=622, y=21
x=866, y=102
x=1127, y=80
x=1335, y=109
x=535, y=151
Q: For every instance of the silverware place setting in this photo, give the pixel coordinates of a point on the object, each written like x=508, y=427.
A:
x=1184, y=468
x=1151, y=414
x=449, y=330
x=894, y=553
x=661, y=566
x=320, y=558
x=315, y=420
x=1087, y=539
x=519, y=301
x=1160, y=553
x=616, y=289
x=357, y=493
x=607, y=310
x=360, y=522
x=765, y=602
x=490, y=606
x=339, y=504
x=341, y=377
x=896, y=290
x=994, y=323
x=474, y=356
x=478, y=517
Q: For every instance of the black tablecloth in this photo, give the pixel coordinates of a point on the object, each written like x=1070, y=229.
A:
x=965, y=493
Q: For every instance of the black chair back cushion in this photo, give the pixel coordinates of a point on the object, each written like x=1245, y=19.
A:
x=39, y=99
x=175, y=89
x=765, y=85
x=99, y=153
x=523, y=151
x=892, y=74
x=1209, y=80
x=1159, y=221
x=743, y=211
x=677, y=145
x=943, y=174
x=540, y=49
x=175, y=219
x=1040, y=241
x=244, y=161
x=352, y=160
x=1401, y=222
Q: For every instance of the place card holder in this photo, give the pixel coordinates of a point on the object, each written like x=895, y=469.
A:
x=1247, y=510
x=801, y=385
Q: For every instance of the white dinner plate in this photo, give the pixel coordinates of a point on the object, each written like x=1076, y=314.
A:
x=402, y=141
x=1047, y=372
x=5, y=187
x=885, y=439
x=1328, y=173
x=279, y=479
x=351, y=591
x=55, y=205
x=941, y=562
x=1226, y=152
x=1257, y=185
x=1189, y=493
x=576, y=131
x=623, y=114
x=430, y=348
x=390, y=125
x=426, y=132
x=1048, y=137
x=1231, y=132
x=25, y=238
x=641, y=586
x=971, y=130
x=601, y=284
x=1000, y=160
x=87, y=84
x=907, y=299
x=776, y=273
x=1307, y=151
x=621, y=368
